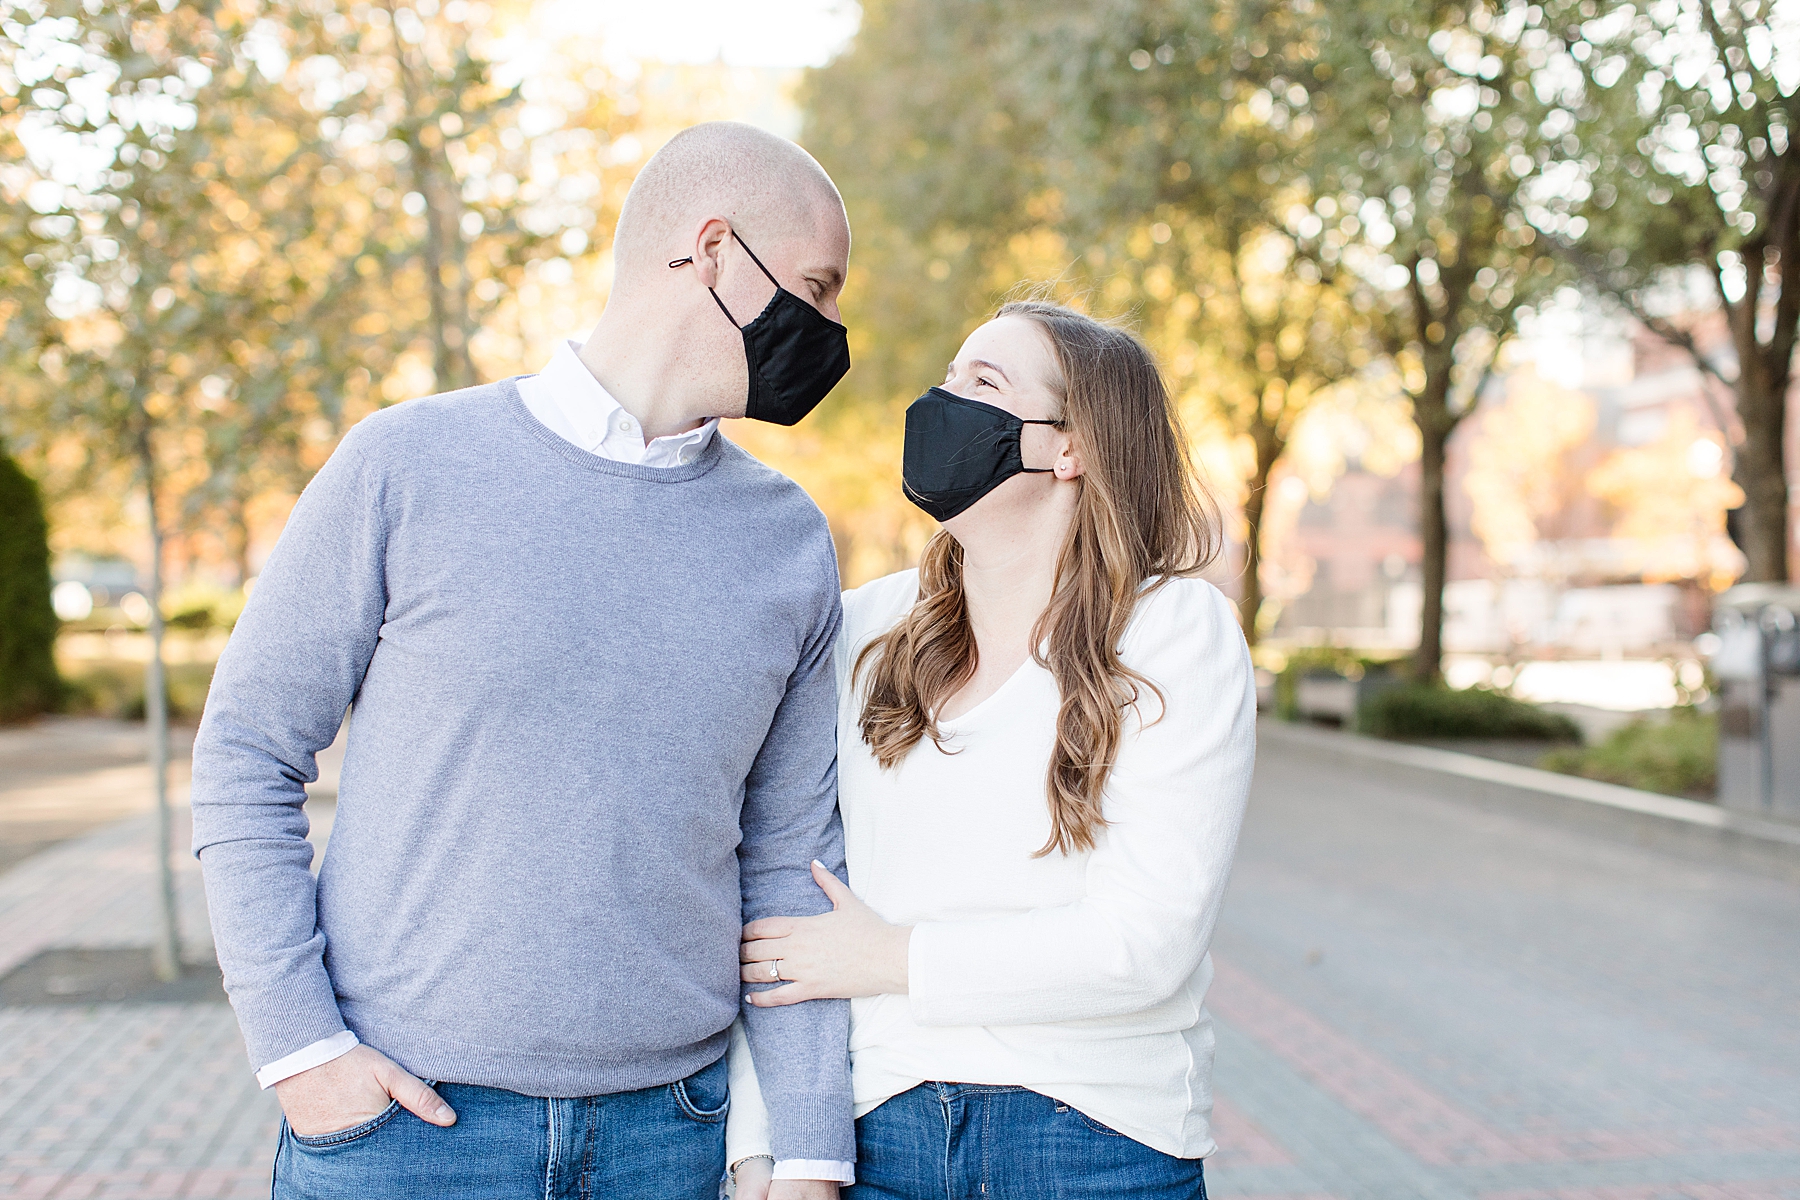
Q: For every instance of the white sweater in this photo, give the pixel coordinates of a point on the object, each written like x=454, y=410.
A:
x=1080, y=976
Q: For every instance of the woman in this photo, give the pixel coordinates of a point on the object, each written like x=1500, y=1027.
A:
x=1045, y=742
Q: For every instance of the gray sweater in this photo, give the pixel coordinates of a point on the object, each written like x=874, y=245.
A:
x=592, y=732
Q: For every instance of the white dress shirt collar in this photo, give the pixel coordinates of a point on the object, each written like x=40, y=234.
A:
x=571, y=403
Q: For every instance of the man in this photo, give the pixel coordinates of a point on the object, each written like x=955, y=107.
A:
x=586, y=647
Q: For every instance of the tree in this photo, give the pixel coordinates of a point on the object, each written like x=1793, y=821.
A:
x=463, y=181
x=370, y=250
x=1674, y=152
x=1253, y=333
x=1426, y=153
x=136, y=133
x=1203, y=118
x=28, y=679
x=1128, y=147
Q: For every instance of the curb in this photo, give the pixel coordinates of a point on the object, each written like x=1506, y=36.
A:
x=1606, y=807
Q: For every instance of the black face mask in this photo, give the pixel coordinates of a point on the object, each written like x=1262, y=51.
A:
x=958, y=450
x=796, y=353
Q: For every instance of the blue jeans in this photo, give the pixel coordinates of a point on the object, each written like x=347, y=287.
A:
x=964, y=1141
x=660, y=1143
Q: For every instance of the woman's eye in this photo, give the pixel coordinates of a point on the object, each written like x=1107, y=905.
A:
x=986, y=382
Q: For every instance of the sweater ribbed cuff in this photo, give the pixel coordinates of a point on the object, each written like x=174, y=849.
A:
x=287, y=1013
x=811, y=1126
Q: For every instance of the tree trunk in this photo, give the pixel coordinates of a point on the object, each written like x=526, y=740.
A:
x=1431, y=413
x=166, y=952
x=449, y=343
x=240, y=539
x=1250, y=599
x=1759, y=467
x=452, y=363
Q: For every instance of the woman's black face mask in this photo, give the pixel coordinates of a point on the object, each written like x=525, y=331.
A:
x=958, y=450
x=796, y=353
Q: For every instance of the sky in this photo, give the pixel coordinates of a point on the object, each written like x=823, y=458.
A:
x=744, y=33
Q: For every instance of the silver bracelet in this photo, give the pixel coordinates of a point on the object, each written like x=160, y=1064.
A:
x=748, y=1158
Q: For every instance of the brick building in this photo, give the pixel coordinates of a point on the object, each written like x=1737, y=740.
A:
x=1609, y=540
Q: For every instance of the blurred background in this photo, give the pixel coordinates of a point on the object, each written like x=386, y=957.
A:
x=1480, y=315
x=1476, y=312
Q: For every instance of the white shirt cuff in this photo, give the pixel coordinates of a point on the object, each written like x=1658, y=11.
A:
x=306, y=1058
x=816, y=1168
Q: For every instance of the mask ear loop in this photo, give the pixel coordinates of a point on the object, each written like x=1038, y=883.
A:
x=757, y=261
x=675, y=264
x=682, y=262
x=1038, y=470
x=759, y=266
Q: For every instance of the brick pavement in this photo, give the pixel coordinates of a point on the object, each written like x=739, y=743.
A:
x=135, y=1102
x=63, y=776
x=1414, y=999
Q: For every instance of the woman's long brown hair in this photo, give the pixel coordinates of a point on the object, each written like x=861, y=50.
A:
x=1142, y=516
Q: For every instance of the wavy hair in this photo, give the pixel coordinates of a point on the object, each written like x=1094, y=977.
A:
x=1142, y=517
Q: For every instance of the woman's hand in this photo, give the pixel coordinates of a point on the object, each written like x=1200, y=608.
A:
x=752, y=1178
x=849, y=951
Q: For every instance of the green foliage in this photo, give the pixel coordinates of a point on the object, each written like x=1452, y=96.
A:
x=1647, y=98
x=115, y=688
x=279, y=208
x=1676, y=757
x=1417, y=710
x=1119, y=149
x=28, y=682
x=1676, y=162
x=198, y=606
x=1313, y=660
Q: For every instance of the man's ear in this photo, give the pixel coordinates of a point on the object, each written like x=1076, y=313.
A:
x=709, y=246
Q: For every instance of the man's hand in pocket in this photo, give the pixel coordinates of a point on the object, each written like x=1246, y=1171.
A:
x=354, y=1088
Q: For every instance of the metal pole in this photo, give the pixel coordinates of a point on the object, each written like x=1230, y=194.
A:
x=1765, y=724
x=1771, y=622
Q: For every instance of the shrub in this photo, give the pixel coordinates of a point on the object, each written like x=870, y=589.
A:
x=1313, y=660
x=1677, y=757
x=1417, y=710
x=110, y=687
x=200, y=606
x=28, y=681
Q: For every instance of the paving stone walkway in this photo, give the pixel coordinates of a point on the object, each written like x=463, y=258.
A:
x=136, y=1102
x=1415, y=998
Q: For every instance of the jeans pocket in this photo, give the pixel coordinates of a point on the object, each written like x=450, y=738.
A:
x=325, y=1141
x=1093, y=1125
x=704, y=1095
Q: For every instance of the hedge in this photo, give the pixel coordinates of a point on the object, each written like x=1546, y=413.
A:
x=28, y=680
x=1417, y=710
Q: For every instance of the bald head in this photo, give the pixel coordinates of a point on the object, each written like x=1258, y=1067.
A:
x=764, y=185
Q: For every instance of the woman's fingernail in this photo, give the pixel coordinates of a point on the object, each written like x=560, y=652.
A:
x=444, y=1114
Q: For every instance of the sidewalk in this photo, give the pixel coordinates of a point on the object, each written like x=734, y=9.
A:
x=143, y=1101
x=137, y=1102
x=61, y=777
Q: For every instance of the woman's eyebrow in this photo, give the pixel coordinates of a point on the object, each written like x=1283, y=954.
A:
x=994, y=367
